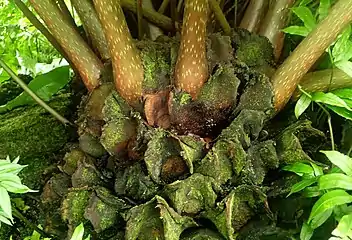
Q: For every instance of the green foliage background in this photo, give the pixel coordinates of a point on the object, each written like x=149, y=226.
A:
x=22, y=46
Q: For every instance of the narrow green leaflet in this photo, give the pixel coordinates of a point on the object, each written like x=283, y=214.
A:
x=302, y=185
x=321, y=218
x=341, y=160
x=343, y=112
x=318, y=171
x=9, y=177
x=306, y=232
x=3, y=218
x=297, y=30
x=310, y=192
x=5, y=203
x=343, y=93
x=335, y=180
x=301, y=105
x=330, y=99
x=305, y=2
x=328, y=201
x=78, y=233
x=344, y=228
x=45, y=86
x=11, y=168
x=348, y=102
x=342, y=48
x=345, y=66
x=15, y=187
x=323, y=9
x=300, y=169
x=306, y=16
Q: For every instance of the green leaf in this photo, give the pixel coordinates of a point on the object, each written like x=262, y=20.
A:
x=302, y=185
x=297, y=30
x=306, y=16
x=345, y=66
x=306, y=232
x=45, y=86
x=9, y=177
x=323, y=9
x=27, y=63
x=15, y=187
x=348, y=102
x=318, y=171
x=330, y=99
x=321, y=218
x=5, y=203
x=342, y=210
x=305, y=2
x=310, y=192
x=343, y=112
x=301, y=105
x=35, y=236
x=78, y=233
x=344, y=228
x=343, y=93
x=4, y=219
x=342, y=46
x=335, y=180
x=300, y=169
x=328, y=201
x=11, y=168
x=341, y=160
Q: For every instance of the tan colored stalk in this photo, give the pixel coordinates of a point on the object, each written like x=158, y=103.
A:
x=151, y=15
x=127, y=64
x=83, y=58
x=191, y=69
x=290, y=73
x=275, y=20
x=322, y=81
x=91, y=23
x=254, y=14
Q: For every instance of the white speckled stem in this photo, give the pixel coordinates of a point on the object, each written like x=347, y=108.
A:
x=191, y=69
x=323, y=80
x=83, y=58
x=275, y=20
x=126, y=62
x=289, y=74
x=86, y=12
x=254, y=14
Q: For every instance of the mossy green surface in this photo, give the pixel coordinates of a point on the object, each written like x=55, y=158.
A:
x=9, y=89
x=192, y=195
x=220, y=91
x=156, y=61
x=252, y=49
x=74, y=205
x=31, y=131
x=155, y=220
